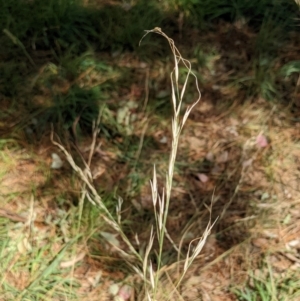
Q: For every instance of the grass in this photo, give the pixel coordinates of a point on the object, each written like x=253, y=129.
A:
x=66, y=35
x=28, y=263
x=62, y=61
x=143, y=265
x=270, y=286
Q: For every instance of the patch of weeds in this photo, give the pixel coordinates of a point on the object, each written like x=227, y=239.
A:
x=28, y=262
x=271, y=37
x=90, y=217
x=270, y=21
x=200, y=13
x=59, y=25
x=161, y=106
x=91, y=213
x=289, y=72
x=263, y=74
x=205, y=57
x=271, y=287
x=78, y=104
x=122, y=29
x=290, y=68
x=70, y=95
x=7, y=144
x=86, y=69
x=12, y=78
x=263, y=80
x=40, y=33
x=41, y=25
x=130, y=147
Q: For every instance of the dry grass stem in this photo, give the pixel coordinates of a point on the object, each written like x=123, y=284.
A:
x=150, y=277
x=93, y=196
x=161, y=213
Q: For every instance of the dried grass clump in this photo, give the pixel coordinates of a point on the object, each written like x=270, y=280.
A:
x=142, y=264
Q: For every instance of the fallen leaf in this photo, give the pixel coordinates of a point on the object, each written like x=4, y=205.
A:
x=195, y=144
x=113, y=289
x=98, y=171
x=233, y=130
x=73, y=261
x=57, y=163
x=261, y=141
x=202, y=177
x=260, y=242
x=94, y=281
x=210, y=157
x=223, y=157
x=216, y=170
x=294, y=243
x=248, y=162
x=111, y=238
x=163, y=140
x=125, y=292
x=265, y=196
x=24, y=245
x=125, y=115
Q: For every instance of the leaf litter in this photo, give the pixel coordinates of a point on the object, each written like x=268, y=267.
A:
x=244, y=152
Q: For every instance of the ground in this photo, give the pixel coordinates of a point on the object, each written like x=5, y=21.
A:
x=236, y=167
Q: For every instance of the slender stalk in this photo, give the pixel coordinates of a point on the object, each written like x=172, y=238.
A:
x=177, y=126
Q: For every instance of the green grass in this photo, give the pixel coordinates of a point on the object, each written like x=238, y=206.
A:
x=31, y=255
x=30, y=265
x=202, y=12
x=67, y=25
x=65, y=35
x=271, y=287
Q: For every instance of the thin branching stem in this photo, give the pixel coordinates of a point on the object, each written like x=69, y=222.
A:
x=177, y=126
